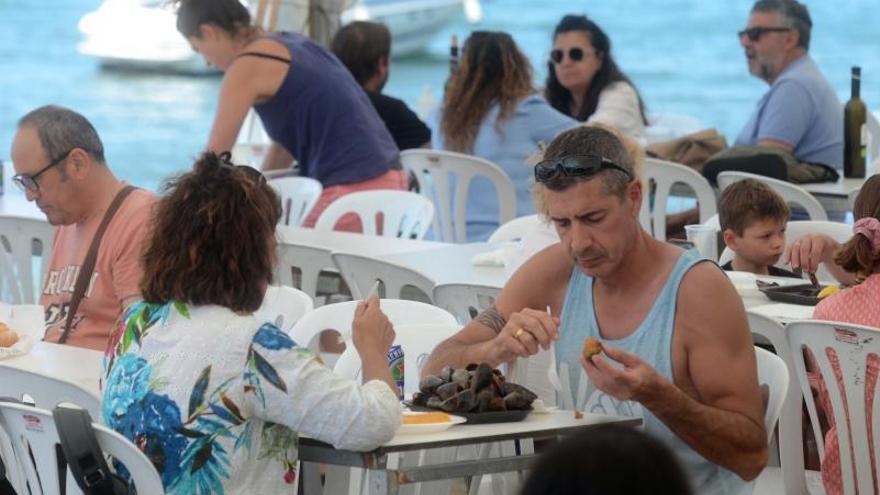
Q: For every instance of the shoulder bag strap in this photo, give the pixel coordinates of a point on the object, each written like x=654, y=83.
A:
x=83, y=453
x=88, y=266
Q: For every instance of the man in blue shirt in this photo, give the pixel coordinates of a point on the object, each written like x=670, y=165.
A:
x=800, y=113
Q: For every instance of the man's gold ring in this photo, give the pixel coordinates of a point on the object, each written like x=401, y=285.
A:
x=518, y=333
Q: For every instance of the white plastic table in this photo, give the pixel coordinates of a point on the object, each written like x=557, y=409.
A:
x=65, y=362
x=451, y=263
x=839, y=189
x=385, y=479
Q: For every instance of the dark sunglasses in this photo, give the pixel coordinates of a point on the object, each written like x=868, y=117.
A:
x=252, y=173
x=28, y=183
x=755, y=33
x=575, y=166
x=575, y=54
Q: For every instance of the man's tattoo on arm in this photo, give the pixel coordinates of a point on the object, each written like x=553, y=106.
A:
x=492, y=319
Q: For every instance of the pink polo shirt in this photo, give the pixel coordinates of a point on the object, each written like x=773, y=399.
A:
x=115, y=279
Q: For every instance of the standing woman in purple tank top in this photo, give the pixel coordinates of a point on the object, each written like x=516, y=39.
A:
x=310, y=105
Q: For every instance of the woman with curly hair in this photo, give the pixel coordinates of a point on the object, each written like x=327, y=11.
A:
x=214, y=396
x=491, y=110
x=584, y=81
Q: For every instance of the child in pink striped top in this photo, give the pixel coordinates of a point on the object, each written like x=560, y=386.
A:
x=857, y=305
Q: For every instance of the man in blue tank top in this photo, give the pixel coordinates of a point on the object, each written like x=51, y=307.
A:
x=677, y=348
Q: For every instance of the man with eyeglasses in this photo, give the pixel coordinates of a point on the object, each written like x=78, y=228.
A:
x=677, y=351
x=800, y=113
x=59, y=164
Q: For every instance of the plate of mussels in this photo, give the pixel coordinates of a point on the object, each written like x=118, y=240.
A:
x=478, y=393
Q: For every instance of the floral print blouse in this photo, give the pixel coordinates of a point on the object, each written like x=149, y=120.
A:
x=216, y=399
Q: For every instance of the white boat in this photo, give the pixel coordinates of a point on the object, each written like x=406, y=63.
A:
x=142, y=34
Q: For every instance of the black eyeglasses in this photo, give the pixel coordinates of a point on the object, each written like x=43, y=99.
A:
x=755, y=33
x=575, y=166
x=28, y=183
x=575, y=54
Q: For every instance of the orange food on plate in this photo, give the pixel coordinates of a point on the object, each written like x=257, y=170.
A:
x=591, y=347
x=426, y=418
x=8, y=338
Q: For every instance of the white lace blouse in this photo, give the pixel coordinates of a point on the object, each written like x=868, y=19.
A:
x=216, y=400
x=618, y=107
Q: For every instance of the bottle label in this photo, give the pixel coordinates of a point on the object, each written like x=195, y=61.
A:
x=395, y=362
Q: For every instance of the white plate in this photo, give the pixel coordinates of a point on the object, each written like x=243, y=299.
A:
x=411, y=429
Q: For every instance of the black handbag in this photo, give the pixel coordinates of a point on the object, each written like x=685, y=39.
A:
x=84, y=456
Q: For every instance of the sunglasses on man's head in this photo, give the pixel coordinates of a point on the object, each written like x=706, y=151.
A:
x=575, y=54
x=575, y=166
x=755, y=33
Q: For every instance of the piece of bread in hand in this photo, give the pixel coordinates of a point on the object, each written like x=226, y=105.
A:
x=591, y=347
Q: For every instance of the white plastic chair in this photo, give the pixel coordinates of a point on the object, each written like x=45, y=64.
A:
x=853, y=345
x=465, y=301
x=790, y=477
x=851, y=196
x=33, y=433
x=838, y=231
x=772, y=372
x=405, y=214
x=417, y=343
x=20, y=240
x=338, y=316
x=361, y=272
x=300, y=266
x=284, y=306
x=440, y=172
x=515, y=229
x=667, y=174
x=298, y=196
x=46, y=391
x=791, y=193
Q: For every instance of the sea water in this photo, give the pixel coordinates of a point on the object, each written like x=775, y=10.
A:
x=683, y=55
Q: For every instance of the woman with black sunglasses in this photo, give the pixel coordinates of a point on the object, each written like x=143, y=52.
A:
x=583, y=79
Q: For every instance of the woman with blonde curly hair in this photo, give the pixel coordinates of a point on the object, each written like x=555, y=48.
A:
x=492, y=110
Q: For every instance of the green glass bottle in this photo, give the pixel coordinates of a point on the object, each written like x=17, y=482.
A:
x=854, y=131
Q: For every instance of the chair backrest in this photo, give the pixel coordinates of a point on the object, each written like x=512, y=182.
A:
x=46, y=391
x=773, y=373
x=284, y=306
x=439, y=173
x=300, y=266
x=857, y=360
x=838, y=231
x=20, y=240
x=399, y=282
x=851, y=197
x=666, y=175
x=465, y=301
x=791, y=193
x=404, y=214
x=791, y=448
x=516, y=228
x=298, y=196
x=338, y=316
x=34, y=439
x=416, y=342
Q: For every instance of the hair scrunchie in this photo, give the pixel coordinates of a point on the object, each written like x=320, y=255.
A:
x=870, y=228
